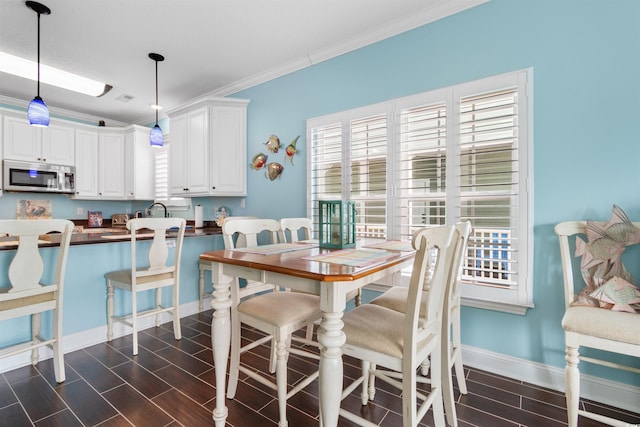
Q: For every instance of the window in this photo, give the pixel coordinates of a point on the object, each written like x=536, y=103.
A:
x=161, y=161
x=454, y=154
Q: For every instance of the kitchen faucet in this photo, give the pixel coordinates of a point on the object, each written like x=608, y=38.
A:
x=159, y=204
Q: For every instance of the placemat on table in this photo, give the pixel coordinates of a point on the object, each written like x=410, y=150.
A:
x=354, y=257
x=276, y=248
x=392, y=245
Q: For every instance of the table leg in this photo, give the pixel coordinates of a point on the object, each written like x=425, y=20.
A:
x=220, y=340
x=331, y=338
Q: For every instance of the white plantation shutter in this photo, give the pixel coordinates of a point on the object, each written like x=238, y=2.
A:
x=423, y=178
x=326, y=165
x=489, y=186
x=368, y=160
x=453, y=154
x=162, y=180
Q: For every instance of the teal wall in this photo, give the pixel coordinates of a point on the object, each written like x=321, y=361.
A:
x=586, y=68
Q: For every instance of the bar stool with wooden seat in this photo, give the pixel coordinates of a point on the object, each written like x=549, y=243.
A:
x=27, y=295
x=277, y=314
x=160, y=272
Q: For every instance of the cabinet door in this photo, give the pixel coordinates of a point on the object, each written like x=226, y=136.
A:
x=86, y=164
x=197, y=153
x=139, y=165
x=228, y=147
x=58, y=145
x=111, y=166
x=21, y=140
x=177, y=152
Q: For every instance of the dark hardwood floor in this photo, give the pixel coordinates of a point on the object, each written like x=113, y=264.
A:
x=171, y=383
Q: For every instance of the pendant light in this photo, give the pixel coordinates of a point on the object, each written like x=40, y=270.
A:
x=37, y=112
x=155, y=137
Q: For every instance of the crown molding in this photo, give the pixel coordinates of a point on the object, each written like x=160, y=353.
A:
x=437, y=10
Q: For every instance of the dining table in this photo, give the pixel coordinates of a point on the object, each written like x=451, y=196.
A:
x=306, y=267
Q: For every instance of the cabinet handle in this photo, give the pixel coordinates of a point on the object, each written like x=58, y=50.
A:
x=44, y=160
x=213, y=188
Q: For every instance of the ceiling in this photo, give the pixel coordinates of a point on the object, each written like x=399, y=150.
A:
x=213, y=47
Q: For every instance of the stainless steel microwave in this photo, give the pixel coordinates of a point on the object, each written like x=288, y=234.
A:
x=38, y=177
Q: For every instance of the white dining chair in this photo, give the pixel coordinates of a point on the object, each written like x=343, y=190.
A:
x=27, y=294
x=277, y=314
x=399, y=342
x=159, y=271
x=292, y=227
x=396, y=299
x=591, y=327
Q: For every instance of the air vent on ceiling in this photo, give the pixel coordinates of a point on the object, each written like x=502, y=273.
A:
x=124, y=98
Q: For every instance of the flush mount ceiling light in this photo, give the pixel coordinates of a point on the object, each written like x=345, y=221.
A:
x=38, y=112
x=26, y=69
x=155, y=137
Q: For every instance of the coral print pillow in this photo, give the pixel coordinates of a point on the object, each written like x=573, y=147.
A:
x=608, y=283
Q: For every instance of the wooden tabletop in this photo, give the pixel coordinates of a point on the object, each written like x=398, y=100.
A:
x=294, y=264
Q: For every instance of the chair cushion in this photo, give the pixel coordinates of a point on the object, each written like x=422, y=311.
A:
x=12, y=301
x=375, y=328
x=124, y=276
x=282, y=308
x=602, y=323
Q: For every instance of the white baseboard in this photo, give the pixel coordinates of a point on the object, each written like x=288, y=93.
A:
x=593, y=388
x=91, y=337
x=601, y=390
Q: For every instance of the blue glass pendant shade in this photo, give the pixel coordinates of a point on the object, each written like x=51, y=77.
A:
x=155, y=137
x=38, y=113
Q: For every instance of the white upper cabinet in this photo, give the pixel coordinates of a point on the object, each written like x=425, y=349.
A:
x=139, y=164
x=86, y=164
x=53, y=144
x=207, y=153
x=188, y=153
x=111, y=165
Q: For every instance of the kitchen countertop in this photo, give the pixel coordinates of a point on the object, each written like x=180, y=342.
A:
x=103, y=235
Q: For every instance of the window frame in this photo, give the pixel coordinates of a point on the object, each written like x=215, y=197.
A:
x=505, y=299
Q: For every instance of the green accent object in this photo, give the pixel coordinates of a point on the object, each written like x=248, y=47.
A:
x=337, y=224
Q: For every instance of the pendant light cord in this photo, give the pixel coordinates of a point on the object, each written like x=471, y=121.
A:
x=38, y=54
x=157, y=106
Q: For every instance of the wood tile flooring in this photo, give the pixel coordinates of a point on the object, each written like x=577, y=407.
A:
x=171, y=383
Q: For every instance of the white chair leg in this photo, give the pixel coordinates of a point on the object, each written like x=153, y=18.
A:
x=134, y=321
x=234, y=362
x=201, y=289
x=177, y=331
x=58, y=350
x=409, y=408
x=372, y=381
x=572, y=385
x=36, y=325
x=158, y=304
x=457, y=352
x=309, y=335
x=109, y=311
x=437, y=365
x=281, y=380
x=424, y=367
x=364, y=395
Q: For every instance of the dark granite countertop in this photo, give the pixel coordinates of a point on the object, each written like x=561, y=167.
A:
x=103, y=235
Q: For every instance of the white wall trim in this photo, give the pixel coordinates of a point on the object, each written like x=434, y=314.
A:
x=598, y=389
x=612, y=393
x=437, y=9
